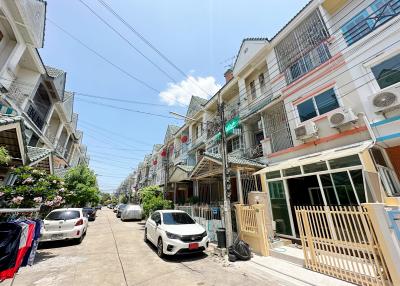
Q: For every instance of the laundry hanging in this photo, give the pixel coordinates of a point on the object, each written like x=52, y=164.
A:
x=18, y=244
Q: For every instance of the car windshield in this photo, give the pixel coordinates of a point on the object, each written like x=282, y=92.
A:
x=63, y=215
x=88, y=210
x=122, y=207
x=177, y=218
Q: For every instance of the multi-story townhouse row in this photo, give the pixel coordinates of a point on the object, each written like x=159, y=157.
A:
x=34, y=94
x=332, y=74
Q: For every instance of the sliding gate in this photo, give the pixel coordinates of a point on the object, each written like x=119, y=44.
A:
x=341, y=242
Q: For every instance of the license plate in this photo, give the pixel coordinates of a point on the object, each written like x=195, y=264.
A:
x=57, y=236
x=193, y=246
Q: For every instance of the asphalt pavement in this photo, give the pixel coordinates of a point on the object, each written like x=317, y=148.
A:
x=114, y=253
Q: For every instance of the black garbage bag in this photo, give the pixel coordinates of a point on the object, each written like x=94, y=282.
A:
x=241, y=250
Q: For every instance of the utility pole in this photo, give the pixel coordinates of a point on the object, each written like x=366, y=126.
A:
x=226, y=177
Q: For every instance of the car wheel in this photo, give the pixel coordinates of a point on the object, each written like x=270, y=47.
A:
x=145, y=235
x=79, y=240
x=160, y=248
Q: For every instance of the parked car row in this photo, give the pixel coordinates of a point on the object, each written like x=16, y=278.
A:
x=128, y=212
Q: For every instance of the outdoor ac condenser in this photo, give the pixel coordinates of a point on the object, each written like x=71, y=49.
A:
x=386, y=100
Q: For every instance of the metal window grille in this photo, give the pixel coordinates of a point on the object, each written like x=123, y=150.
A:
x=304, y=48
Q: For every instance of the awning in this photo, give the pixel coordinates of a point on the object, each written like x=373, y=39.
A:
x=211, y=165
x=319, y=157
x=180, y=173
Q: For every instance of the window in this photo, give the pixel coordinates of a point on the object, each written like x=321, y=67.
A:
x=387, y=175
x=213, y=150
x=315, y=167
x=387, y=72
x=273, y=174
x=378, y=13
x=253, y=90
x=304, y=48
x=174, y=218
x=279, y=207
x=233, y=144
x=344, y=162
x=261, y=80
x=292, y=171
x=318, y=105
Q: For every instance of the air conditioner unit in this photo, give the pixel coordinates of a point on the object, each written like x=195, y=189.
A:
x=306, y=130
x=386, y=100
x=342, y=117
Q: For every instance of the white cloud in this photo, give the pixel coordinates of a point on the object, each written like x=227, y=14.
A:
x=180, y=94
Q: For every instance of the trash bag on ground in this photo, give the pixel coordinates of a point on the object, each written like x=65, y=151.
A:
x=241, y=251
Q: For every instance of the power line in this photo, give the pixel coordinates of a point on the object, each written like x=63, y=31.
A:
x=127, y=109
x=121, y=100
x=127, y=41
x=148, y=43
x=104, y=58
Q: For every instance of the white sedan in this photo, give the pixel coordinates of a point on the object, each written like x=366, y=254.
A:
x=175, y=232
x=62, y=224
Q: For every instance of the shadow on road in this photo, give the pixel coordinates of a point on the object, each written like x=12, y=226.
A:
x=56, y=244
x=43, y=256
x=179, y=258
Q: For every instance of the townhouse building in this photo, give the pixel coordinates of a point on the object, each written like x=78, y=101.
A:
x=34, y=94
x=313, y=112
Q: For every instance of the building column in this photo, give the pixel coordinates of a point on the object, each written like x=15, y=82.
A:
x=58, y=134
x=239, y=186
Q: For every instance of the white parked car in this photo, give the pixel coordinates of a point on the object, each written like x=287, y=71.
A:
x=175, y=232
x=131, y=212
x=62, y=224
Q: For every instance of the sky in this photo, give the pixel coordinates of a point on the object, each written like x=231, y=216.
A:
x=200, y=38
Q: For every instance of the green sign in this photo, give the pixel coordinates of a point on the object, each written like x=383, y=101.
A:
x=229, y=127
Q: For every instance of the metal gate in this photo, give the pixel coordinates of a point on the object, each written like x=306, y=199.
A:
x=278, y=127
x=340, y=241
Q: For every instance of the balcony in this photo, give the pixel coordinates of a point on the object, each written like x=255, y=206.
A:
x=36, y=116
x=365, y=22
x=254, y=152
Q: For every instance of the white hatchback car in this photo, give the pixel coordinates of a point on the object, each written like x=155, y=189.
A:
x=175, y=232
x=62, y=224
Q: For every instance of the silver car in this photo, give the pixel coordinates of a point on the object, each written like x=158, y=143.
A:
x=132, y=212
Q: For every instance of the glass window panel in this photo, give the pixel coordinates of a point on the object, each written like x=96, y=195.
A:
x=378, y=157
x=292, y=171
x=279, y=207
x=344, y=189
x=358, y=181
x=306, y=110
x=329, y=190
x=326, y=101
x=315, y=167
x=344, y=162
x=387, y=72
x=273, y=174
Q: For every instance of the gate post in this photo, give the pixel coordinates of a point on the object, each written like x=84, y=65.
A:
x=238, y=220
x=385, y=238
x=262, y=229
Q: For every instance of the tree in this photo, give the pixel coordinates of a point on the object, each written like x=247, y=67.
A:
x=105, y=198
x=5, y=157
x=82, y=185
x=152, y=199
x=33, y=187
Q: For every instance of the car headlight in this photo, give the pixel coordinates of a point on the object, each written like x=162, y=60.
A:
x=172, y=235
x=204, y=234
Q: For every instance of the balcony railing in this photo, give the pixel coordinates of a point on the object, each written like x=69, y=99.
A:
x=36, y=117
x=356, y=29
x=254, y=152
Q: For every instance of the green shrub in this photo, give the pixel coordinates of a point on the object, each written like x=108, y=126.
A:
x=152, y=200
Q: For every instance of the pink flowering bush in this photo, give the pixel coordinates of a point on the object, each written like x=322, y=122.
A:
x=32, y=188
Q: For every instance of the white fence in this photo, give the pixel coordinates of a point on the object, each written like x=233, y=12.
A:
x=211, y=218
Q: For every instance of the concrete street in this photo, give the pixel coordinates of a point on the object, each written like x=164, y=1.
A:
x=113, y=253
